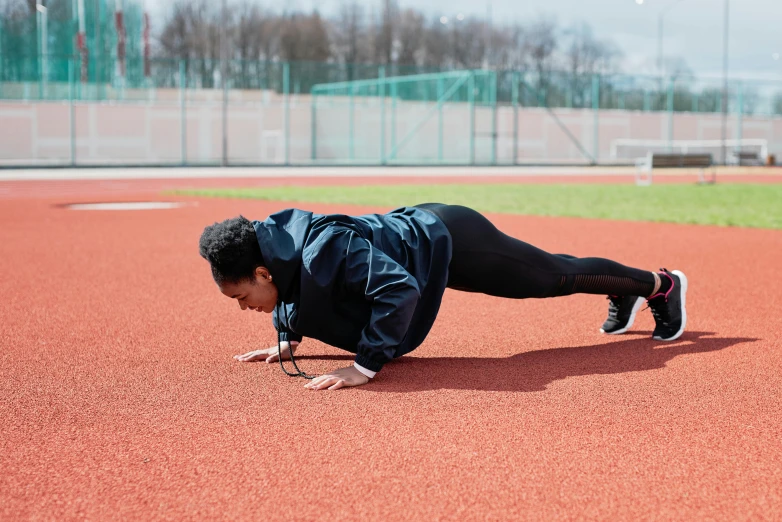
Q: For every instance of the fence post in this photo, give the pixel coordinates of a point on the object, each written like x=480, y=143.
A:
x=72, y=119
x=493, y=95
x=100, y=88
x=471, y=101
x=224, y=79
x=351, y=122
x=670, y=114
x=515, y=101
x=286, y=85
x=596, y=115
x=313, y=127
x=740, y=112
x=647, y=101
x=43, y=52
x=182, y=114
x=440, y=92
x=2, y=63
x=381, y=74
x=80, y=84
x=393, y=115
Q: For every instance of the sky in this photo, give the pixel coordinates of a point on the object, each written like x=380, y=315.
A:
x=692, y=29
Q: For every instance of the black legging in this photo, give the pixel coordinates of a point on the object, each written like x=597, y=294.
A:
x=487, y=261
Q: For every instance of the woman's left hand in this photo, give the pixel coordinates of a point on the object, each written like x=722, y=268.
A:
x=338, y=379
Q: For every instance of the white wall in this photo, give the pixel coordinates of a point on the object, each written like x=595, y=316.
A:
x=150, y=131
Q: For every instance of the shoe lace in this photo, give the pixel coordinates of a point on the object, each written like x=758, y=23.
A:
x=659, y=308
x=613, y=306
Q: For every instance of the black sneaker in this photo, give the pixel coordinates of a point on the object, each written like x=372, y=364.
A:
x=668, y=309
x=621, y=313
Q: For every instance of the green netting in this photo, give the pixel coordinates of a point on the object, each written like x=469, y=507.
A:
x=424, y=118
x=419, y=87
x=22, y=35
x=26, y=73
x=362, y=113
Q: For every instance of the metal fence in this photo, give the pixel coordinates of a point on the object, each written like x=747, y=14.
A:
x=194, y=112
x=27, y=78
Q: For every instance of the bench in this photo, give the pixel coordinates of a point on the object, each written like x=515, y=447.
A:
x=657, y=160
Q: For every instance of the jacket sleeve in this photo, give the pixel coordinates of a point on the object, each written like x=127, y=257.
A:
x=285, y=334
x=393, y=292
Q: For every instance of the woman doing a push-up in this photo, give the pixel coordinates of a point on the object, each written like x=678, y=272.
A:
x=373, y=284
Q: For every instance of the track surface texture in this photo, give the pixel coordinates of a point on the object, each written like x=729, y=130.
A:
x=120, y=399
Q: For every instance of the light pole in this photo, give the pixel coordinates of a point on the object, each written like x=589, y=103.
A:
x=487, y=61
x=224, y=79
x=725, y=83
x=43, y=50
x=119, y=24
x=81, y=41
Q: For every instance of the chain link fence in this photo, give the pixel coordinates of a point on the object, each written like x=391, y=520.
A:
x=193, y=112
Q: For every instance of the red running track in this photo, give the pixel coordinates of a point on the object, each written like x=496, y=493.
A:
x=120, y=399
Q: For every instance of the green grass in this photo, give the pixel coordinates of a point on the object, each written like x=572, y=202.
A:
x=743, y=205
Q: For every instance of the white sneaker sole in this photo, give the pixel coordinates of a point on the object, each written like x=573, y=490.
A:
x=683, y=279
x=637, y=306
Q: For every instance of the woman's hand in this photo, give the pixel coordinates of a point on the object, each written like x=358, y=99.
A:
x=338, y=379
x=269, y=354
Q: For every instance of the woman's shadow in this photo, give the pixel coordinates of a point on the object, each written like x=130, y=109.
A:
x=534, y=371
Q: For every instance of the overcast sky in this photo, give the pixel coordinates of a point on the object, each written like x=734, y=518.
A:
x=693, y=29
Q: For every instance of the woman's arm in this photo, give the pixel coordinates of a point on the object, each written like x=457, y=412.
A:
x=393, y=292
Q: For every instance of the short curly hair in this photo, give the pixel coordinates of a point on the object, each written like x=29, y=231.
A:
x=232, y=250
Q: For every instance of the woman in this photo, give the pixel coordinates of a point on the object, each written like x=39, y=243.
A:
x=373, y=284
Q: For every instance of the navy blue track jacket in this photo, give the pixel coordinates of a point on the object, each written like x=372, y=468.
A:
x=368, y=284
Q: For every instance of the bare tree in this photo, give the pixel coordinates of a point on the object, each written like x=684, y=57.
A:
x=470, y=50
x=192, y=32
x=174, y=39
x=349, y=37
x=388, y=36
x=269, y=37
x=584, y=57
x=436, y=45
x=317, y=40
x=587, y=55
x=384, y=39
x=256, y=38
x=269, y=43
x=304, y=38
x=508, y=47
x=247, y=37
x=411, y=36
x=540, y=45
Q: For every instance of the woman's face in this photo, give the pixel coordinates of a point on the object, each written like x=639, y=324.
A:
x=259, y=294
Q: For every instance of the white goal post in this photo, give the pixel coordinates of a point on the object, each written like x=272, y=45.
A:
x=631, y=149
